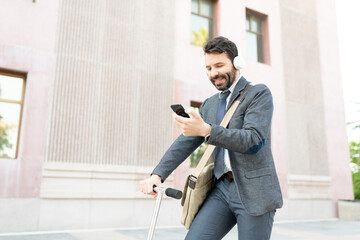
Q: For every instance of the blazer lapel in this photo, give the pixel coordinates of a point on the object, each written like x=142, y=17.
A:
x=238, y=88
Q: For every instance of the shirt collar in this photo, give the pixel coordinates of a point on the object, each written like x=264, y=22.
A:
x=232, y=87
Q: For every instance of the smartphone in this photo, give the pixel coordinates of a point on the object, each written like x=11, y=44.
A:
x=179, y=110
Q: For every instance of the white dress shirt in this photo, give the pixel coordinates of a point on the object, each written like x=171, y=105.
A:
x=226, y=152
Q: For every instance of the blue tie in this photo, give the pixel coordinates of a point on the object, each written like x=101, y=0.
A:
x=219, y=152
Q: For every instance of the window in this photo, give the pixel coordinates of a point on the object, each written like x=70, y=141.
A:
x=12, y=87
x=202, y=21
x=255, y=48
x=197, y=154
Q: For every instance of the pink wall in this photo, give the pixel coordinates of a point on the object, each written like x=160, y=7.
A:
x=28, y=46
x=335, y=123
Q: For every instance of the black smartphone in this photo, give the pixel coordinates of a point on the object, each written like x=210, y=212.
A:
x=179, y=110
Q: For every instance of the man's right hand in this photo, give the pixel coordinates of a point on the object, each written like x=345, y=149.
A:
x=146, y=186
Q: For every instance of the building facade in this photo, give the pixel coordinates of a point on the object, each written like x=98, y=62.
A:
x=98, y=78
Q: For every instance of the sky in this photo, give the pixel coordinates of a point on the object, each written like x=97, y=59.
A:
x=347, y=12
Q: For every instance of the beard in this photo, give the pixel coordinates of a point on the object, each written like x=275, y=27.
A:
x=229, y=78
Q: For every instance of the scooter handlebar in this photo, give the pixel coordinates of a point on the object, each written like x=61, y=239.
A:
x=174, y=193
x=170, y=192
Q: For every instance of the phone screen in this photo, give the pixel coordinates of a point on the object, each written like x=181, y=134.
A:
x=179, y=110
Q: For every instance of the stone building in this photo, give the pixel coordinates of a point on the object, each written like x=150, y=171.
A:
x=86, y=88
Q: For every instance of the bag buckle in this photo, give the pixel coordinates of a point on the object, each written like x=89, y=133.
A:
x=192, y=182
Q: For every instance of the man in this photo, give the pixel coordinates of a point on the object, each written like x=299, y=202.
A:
x=247, y=191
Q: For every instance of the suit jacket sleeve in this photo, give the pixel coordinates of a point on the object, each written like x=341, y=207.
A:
x=251, y=136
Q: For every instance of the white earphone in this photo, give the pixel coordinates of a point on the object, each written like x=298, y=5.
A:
x=239, y=62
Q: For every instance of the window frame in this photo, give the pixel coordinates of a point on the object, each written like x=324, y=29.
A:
x=264, y=34
x=212, y=19
x=22, y=75
x=199, y=7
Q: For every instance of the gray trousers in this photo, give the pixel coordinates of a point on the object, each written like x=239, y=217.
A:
x=222, y=210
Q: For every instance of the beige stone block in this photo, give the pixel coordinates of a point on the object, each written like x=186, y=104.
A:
x=305, y=209
x=20, y=214
x=58, y=214
x=304, y=7
x=133, y=213
x=302, y=70
x=306, y=140
x=309, y=187
x=77, y=214
x=349, y=210
x=82, y=181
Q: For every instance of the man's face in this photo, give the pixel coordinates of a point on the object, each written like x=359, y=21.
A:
x=220, y=70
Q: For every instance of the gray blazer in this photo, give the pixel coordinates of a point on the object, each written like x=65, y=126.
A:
x=248, y=140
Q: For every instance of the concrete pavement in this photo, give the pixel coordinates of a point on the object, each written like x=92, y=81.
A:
x=301, y=230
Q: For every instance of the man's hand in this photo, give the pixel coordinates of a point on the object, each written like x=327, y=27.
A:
x=193, y=126
x=146, y=186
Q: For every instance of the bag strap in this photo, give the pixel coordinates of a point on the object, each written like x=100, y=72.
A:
x=209, y=150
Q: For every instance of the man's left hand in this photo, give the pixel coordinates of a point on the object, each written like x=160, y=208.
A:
x=193, y=126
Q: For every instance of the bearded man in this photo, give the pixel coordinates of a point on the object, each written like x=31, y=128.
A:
x=246, y=190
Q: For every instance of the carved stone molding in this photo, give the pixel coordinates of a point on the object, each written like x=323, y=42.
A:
x=83, y=181
x=309, y=187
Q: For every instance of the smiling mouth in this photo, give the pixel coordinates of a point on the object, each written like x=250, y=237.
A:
x=218, y=81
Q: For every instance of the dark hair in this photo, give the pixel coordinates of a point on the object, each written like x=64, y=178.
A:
x=220, y=45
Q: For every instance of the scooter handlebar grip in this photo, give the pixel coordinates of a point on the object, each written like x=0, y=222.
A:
x=174, y=193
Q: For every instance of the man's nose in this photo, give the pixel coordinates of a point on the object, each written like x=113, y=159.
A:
x=213, y=73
